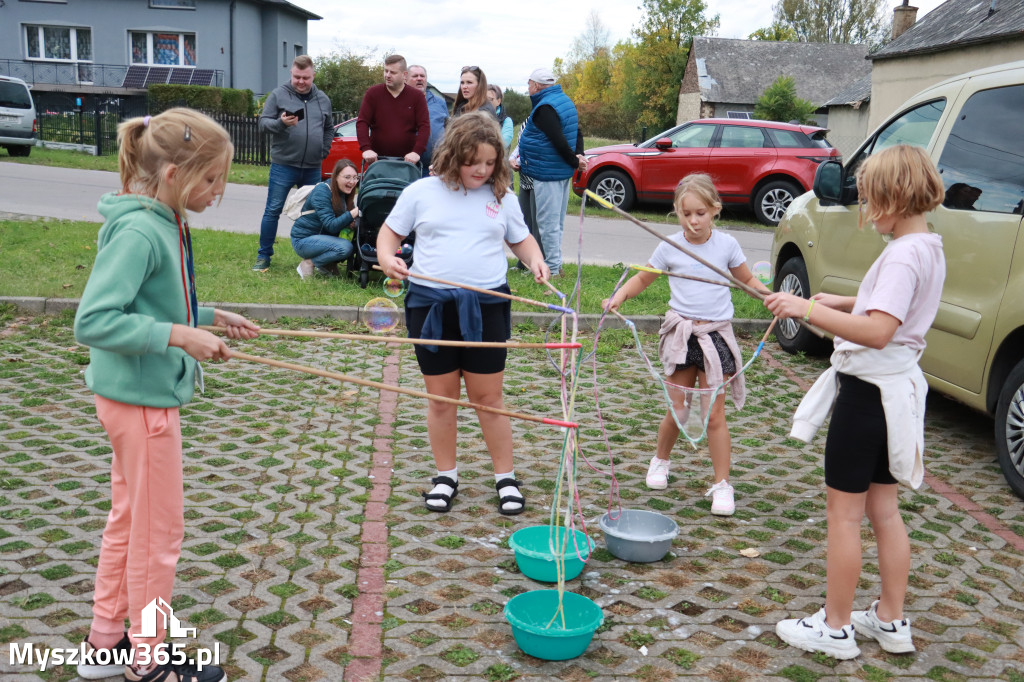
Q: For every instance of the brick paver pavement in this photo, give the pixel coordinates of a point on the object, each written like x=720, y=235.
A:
x=309, y=555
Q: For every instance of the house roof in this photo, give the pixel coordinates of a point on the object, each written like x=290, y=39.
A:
x=855, y=94
x=289, y=7
x=731, y=70
x=958, y=23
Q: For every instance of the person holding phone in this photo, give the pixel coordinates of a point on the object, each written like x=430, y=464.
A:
x=297, y=117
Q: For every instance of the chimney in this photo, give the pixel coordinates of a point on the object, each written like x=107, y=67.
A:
x=903, y=17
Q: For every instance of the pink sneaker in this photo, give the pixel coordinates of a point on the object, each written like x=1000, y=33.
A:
x=657, y=474
x=722, y=503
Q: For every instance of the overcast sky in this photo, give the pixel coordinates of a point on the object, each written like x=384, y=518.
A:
x=505, y=38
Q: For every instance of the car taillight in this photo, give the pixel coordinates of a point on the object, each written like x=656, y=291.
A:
x=34, y=122
x=815, y=159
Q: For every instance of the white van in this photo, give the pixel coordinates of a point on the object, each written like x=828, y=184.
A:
x=17, y=117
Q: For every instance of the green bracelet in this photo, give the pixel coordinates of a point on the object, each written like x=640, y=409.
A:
x=807, y=317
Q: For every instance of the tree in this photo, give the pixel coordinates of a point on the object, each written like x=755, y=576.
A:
x=779, y=103
x=345, y=76
x=777, y=32
x=662, y=38
x=592, y=41
x=516, y=105
x=834, y=21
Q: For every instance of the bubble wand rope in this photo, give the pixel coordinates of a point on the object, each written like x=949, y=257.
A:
x=402, y=339
x=398, y=389
x=511, y=297
x=711, y=266
x=656, y=271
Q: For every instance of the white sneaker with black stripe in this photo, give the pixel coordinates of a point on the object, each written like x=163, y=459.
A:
x=893, y=636
x=812, y=633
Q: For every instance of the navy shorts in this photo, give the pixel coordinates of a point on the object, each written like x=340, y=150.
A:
x=857, y=447
x=497, y=326
x=695, y=354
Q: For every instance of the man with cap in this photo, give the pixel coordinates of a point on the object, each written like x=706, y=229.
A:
x=550, y=151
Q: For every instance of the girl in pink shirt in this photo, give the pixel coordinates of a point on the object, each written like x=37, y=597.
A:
x=880, y=333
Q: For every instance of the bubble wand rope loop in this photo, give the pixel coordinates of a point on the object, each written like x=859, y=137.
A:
x=498, y=294
x=398, y=389
x=711, y=266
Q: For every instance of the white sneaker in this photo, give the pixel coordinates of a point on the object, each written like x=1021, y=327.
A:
x=722, y=502
x=812, y=633
x=893, y=637
x=657, y=473
x=305, y=268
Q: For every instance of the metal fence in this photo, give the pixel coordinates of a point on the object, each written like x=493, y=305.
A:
x=252, y=146
x=80, y=73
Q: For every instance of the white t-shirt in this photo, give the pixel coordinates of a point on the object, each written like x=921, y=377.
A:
x=460, y=235
x=699, y=300
x=905, y=282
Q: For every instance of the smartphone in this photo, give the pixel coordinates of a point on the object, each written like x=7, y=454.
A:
x=298, y=113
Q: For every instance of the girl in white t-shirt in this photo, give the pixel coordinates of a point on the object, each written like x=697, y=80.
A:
x=462, y=219
x=876, y=434
x=697, y=342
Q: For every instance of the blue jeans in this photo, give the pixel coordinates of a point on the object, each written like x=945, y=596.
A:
x=323, y=249
x=282, y=179
x=551, y=198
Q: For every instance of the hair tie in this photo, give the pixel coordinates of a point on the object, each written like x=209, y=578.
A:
x=145, y=121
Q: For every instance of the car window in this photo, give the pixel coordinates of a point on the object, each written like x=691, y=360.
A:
x=742, y=136
x=698, y=135
x=982, y=165
x=14, y=96
x=787, y=138
x=915, y=127
x=346, y=129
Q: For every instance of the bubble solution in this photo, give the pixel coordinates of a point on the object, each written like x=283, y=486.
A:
x=394, y=287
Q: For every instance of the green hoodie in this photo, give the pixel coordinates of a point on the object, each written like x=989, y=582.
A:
x=134, y=294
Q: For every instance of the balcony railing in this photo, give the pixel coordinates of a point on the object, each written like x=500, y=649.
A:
x=82, y=73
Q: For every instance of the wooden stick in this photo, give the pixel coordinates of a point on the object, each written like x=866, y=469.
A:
x=656, y=271
x=402, y=339
x=511, y=297
x=556, y=292
x=398, y=389
x=711, y=266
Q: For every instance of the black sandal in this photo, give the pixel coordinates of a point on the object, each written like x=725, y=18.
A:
x=447, y=499
x=502, y=499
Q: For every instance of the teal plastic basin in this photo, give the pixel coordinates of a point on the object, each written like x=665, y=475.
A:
x=534, y=556
x=530, y=612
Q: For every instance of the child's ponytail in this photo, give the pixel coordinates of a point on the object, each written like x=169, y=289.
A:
x=129, y=144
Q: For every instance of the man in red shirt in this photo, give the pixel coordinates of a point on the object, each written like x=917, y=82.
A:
x=393, y=119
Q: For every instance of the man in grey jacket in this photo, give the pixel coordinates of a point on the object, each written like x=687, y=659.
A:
x=297, y=116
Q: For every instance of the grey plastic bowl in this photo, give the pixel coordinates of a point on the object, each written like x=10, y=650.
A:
x=638, y=535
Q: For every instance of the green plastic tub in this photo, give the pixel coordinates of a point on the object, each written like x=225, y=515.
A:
x=534, y=557
x=530, y=612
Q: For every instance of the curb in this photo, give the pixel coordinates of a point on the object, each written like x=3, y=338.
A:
x=272, y=312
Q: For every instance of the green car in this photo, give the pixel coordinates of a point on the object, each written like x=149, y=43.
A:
x=974, y=131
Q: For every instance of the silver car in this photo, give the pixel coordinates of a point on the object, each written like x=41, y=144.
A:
x=17, y=117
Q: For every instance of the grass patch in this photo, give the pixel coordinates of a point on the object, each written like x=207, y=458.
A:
x=53, y=259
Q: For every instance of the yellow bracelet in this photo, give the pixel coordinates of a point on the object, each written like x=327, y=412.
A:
x=807, y=317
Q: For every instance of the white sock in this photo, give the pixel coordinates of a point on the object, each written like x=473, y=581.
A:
x=442, y=489
x=509, y=491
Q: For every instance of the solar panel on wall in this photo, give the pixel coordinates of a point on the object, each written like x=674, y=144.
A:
x=181, y=76
x=135, y=77
x=157, y=74
x=202, y=76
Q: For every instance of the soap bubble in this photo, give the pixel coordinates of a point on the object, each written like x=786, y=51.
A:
x=394, y=287
x=763, y=271
x=381, y=315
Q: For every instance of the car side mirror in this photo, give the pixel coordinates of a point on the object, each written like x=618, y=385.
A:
x=828, y=182
x=663, y=143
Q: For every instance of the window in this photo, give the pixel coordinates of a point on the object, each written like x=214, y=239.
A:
x=298, y=50
x=173, y=4
x=915, y=126
x=164, y=49
x=742, y=136
x=284, y=53
x=58, y=43
x=787, y=138
x=694, y=136
x=982, y=164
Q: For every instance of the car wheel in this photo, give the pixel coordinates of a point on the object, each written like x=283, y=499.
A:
x=614, y=186
x=773, y=199
x=792, y=278
x=1009, y=425
x=19, y=150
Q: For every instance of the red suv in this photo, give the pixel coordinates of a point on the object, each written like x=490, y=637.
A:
x=343, y=146
x=761, y=164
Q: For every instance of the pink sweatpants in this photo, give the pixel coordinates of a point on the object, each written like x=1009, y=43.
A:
x=146, y=524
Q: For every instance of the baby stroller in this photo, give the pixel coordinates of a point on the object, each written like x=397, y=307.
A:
x=379, y=188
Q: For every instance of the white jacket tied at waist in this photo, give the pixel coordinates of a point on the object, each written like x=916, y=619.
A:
x=895, y=371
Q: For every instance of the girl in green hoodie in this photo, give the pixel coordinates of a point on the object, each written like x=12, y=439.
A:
x=139, y=315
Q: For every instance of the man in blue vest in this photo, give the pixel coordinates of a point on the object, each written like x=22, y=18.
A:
x=550, y=151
